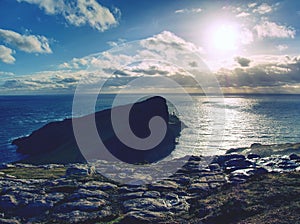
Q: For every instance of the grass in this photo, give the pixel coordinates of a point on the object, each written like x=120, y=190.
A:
x=270, y=198
x=35, y=173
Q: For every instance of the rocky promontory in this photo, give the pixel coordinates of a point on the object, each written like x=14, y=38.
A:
x=231, y=188
x=56, y=142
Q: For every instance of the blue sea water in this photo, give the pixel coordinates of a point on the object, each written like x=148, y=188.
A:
x=240, y=120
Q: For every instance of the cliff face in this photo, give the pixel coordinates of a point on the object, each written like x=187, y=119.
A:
x=55, y=142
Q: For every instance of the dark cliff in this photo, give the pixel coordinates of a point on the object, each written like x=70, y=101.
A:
x=55, y=142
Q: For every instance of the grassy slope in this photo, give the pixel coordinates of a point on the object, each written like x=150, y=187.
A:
x=271, y=198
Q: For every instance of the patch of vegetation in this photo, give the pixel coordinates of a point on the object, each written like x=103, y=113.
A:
x=270, y=198
x=116, y=220
x=35, y=173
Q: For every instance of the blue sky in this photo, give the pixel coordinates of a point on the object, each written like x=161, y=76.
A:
x=47, y=45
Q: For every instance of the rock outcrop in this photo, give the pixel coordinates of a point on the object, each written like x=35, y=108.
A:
x=55, y=142
x=76, y=193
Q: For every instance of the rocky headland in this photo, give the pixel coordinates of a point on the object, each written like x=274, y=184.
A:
x=56, y=143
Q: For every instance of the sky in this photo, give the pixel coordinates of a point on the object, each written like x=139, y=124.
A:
x=50, y=46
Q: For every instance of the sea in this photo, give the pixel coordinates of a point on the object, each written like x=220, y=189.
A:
x=213, y=123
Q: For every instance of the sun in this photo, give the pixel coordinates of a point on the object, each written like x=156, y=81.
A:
x=225, y=37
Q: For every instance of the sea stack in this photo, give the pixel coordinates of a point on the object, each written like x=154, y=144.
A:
x=55, y=142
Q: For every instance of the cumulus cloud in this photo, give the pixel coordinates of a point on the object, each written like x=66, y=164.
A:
x=273, y=30
x=166, y=41
x=80, y=12
x=243, y=62
x=243, y=14
x=6, y=55
x=75, y=63
x=264, y=8
x=188, y=11
x=27, y=43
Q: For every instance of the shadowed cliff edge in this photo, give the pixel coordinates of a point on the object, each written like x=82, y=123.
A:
x=55, y=142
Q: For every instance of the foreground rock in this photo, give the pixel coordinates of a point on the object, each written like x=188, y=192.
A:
x=199, y=192
x=55, y=142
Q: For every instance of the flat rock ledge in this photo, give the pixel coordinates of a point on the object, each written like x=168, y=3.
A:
x=77, y=193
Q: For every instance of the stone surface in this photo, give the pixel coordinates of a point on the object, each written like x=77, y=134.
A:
x=8, y=203
x=85, y=205
x=93, y=199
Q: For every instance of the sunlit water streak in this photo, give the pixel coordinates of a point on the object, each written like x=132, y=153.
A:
x=213, y=123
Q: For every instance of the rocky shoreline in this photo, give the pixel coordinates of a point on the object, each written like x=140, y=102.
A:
x=79, y=193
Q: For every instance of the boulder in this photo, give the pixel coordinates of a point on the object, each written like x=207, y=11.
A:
x=294, y=157
x=34, y=208
x=253, y=156
x=238, y=163
x=255, y=145
x=222, y=159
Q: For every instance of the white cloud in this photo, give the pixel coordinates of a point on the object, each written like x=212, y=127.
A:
x=80, y=12
x=6, y=55
x=75, y=63
x=243, y=14
x=282, y=47
x=27, y=43
x=264, y=8
x=188, y=11
x=252, y=5
x=169, y=41
x=273, y=30
x=6, y=73
x=119, y=42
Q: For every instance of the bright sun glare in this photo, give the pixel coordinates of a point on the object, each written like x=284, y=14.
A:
x=225, y=37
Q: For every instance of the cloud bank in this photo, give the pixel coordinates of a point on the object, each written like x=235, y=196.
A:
x=256, y=74
x=269, y=74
